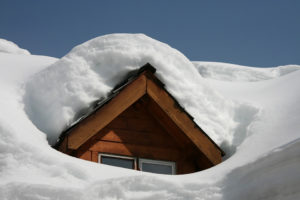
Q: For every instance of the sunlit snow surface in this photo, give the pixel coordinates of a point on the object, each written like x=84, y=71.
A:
x=93, y=68
x=254, y=119
x=238, y=73
x=10, y=47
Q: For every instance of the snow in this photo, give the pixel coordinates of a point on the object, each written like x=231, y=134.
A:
x=12, y=48
x=232, y=72
x=92, y=69
x=252, y=113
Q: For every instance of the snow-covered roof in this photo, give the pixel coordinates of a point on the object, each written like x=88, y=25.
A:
x=91, y=70
x=131, y=76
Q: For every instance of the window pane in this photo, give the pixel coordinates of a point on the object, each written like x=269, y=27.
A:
x=157, y=168
x=118, y=162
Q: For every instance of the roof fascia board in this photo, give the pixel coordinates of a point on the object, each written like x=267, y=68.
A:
x=91, y=125
x=182, y=120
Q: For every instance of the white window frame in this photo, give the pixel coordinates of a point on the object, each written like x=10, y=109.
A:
x=118, y=156
x=158, y=162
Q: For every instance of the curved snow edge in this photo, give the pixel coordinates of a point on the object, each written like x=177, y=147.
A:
x=233, y=72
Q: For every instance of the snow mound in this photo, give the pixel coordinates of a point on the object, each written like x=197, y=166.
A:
x=232, y=72
x=92, y=69
x=10, y=47
x=265, y=133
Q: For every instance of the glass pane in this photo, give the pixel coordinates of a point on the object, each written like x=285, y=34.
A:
x=118, y=162
x=157, y=168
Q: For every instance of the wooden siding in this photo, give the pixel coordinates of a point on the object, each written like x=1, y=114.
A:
x=137, y=133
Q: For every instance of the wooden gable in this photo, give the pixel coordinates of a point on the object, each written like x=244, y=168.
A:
x=143, y=120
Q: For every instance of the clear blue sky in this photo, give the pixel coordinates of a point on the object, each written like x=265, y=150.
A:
x=261, y=33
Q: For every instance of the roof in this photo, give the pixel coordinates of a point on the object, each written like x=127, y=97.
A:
x=131, y=76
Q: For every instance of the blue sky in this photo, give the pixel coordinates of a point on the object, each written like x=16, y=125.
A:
x=262, y=33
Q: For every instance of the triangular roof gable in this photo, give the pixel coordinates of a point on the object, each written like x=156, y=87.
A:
x=138, y=84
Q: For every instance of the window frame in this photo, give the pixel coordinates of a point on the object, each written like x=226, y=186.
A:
x=134, y=159
x=158, y=162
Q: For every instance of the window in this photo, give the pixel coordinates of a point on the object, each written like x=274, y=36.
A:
x=146, y=165
x=118, y=161
x=157, y=166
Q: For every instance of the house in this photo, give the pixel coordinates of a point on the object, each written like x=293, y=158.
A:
x=141, y=126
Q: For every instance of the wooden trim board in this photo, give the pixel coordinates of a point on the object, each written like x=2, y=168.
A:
x=91, y=125
x=162, y=98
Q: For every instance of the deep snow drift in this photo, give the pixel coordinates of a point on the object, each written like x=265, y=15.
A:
x=256, y=121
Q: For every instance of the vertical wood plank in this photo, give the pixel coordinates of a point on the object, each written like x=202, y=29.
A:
x=94, y=156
